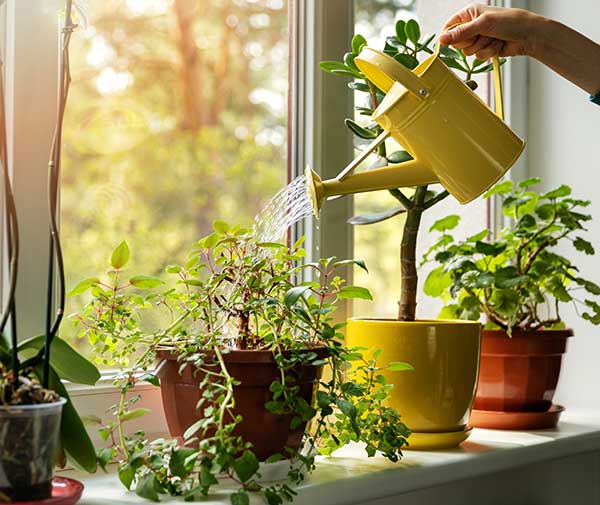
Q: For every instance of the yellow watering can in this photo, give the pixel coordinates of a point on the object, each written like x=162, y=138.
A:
x=453, y=136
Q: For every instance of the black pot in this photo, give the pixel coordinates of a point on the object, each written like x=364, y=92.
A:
x=29, y=438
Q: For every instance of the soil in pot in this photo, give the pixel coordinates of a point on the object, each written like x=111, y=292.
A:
x=29, y=440
x=520, y=373
x=255, y=370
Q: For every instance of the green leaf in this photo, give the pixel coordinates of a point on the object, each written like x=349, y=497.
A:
x=558, y=289
x=502, y=188
x=104, y=456
x=559, y=192
x=84, y=285
x=173, y=269
x=589, y=286
x=177, y=461
x=74, y=437
x=120, y=256
x=146, y=487
x=505, y=301
x=452, y=63
x=358, y=130
x=150, y=378
x=508, y=277
x=221, y=227
x=489, y=249
x=399, y=157
x=145, y=282
x=347, y=292
x=583, y=245
x=448, y=52
x=66, y=361
x=133, y=414
x=437, y=282
x=359, y=263
x=336, y=67
x=359, y=86
x=246, y=466
x=358, y=41
x=407, y=60
x=400, y=32
x=126, y=475
x=532, y=181
x=446, y=223
x=294, y=294
x=378, y=217
x=399, y=366
x=347, y=408
x=412, y=30
x=240, y=498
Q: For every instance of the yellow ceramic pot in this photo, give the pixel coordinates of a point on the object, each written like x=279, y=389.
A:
x=435, y=398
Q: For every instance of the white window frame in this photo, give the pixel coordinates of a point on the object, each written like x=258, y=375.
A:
x=29, y=30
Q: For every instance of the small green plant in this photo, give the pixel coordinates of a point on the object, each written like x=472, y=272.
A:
x=405, y=46
x=234, y=293
x=518, y=280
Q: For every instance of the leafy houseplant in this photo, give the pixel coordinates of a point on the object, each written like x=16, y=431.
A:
x=518, y=282
x=236, y=317
x=36, y=414
x=456, y=344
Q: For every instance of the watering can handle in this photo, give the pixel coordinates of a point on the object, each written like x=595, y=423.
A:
x=384, y=71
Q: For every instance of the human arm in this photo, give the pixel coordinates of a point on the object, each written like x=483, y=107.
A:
x=488, y=31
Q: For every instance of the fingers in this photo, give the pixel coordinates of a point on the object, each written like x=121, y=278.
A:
x=477, y=45
x=490, y=50
x=465, y=32
x=464, y=15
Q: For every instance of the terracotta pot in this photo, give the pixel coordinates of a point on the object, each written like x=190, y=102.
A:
x=269, y=433
x=435, y=397
x=520, y=373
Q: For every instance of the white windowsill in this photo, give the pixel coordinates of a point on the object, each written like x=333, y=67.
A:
x=351, y=478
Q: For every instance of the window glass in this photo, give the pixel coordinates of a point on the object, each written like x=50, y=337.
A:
x=177, y=116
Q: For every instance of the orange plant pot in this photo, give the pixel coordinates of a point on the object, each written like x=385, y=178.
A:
x=519, y=373
x=255, y=370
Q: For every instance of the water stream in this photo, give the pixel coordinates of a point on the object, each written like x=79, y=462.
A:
x=290, y=205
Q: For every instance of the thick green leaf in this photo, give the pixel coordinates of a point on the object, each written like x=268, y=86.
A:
x=246, y=466
x=583, y=245
x=400, y=33
x=145, y=282
x=240, y=498
x=358, y=41
x=74, y=437
x=452, y=63
x=446, y=223
x=377, y=217
x=68, y=363
x=399, y=157
x=294, y=294
x=84, y=285
x=347, y=408
x=348, y=292
x=151, y=378
x=413, y=31
x=504, y=301
x=589, y=286
x=448, y=52
x=508, y=277
x=500, y=189
x=336, y=67
x=358, y=130
x=146, y=487
x=120, y=256
x=407, y=60
x=399, y=366
x=437, y=282
x=126, y=475
x=559, y=192
x=532, y=181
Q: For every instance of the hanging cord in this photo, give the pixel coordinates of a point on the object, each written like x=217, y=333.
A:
x=55, y=255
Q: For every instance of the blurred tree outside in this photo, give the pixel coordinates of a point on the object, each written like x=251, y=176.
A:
x=177, y=116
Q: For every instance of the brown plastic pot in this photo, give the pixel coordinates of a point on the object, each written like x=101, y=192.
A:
x=519, y=373
x=255, y=370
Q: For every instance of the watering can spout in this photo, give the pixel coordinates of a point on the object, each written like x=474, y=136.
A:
x=406, y=174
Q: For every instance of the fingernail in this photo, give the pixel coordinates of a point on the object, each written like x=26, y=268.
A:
x=445, y=38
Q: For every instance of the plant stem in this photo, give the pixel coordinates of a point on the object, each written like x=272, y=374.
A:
x=407, y=306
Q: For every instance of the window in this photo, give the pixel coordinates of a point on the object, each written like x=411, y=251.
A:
x=177, y=116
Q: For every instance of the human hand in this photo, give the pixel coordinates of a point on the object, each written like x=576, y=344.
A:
x=489, y=31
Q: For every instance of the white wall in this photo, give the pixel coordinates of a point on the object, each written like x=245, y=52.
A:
x=564, y=147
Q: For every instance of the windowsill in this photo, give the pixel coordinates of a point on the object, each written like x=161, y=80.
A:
x=351, y=477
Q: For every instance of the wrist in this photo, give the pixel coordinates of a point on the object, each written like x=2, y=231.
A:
x=540, y=35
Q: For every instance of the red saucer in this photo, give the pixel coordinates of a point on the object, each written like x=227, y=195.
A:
x=65, y=491
x=502, y=420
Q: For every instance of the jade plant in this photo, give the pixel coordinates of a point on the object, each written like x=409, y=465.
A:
x=518, y=280
x=236, y=293
x=406, y=46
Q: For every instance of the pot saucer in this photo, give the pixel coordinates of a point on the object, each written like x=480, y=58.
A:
x=65, y=491
x=420, y=441
x=502, y=420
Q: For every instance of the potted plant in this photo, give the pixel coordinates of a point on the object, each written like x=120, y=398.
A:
x=437, y=396
x=37, y=417
x=240, y=361
x=518, y=282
